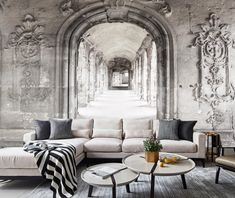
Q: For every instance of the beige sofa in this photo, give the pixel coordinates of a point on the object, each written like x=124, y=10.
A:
x=101, y=138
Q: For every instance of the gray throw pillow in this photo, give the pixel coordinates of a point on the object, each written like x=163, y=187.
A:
x=168, y=129
x=61, y=128
x=42, y=129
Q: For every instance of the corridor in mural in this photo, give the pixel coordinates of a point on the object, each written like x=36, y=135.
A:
x=116, y=56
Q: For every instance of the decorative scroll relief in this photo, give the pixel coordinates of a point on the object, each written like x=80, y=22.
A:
x=118, y=8
x=26, y=42
x=3, y=4
x=66, y=8
x=160, y=6
x=214, y=86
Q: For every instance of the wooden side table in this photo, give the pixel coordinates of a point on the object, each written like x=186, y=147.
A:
x=214, y=138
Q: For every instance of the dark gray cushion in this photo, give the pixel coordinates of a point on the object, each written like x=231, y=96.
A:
x=42, y=129
x=186, y=130
x=168, y=129
x=60, y=128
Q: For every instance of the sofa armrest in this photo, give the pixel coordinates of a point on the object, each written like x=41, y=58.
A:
x=29, y=136
x=200, y=139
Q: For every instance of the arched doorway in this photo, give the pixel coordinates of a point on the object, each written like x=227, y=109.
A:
x=69, y=37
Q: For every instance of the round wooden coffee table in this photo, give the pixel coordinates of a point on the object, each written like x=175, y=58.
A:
x=138, y=164
x=123, y=177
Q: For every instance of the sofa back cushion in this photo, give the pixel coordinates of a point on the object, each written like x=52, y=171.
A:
x=108, y=124
x=107, y=128
x=82, y=128
x=107, y=133
x=137, y=128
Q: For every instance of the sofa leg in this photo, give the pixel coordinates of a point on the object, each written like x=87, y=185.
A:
x=87, y=161
x=203, y=163
x=217, y=175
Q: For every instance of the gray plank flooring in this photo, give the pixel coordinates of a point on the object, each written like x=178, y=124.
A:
x=200, y=183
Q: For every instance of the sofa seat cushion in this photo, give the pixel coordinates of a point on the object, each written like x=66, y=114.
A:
x=78, y=143
x=133, y=145
x=178, y=146
x=16, y=157
x=103, y=145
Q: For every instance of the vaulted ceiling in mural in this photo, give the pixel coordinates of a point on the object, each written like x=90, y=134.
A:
x=116, y=39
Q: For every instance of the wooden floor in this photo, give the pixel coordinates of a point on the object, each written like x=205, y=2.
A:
x=200, y=183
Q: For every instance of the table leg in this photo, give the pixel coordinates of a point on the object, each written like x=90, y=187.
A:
x=114, y=186
x=136, y=180
x=222, y=151
x=90, y=191
x=152, y=186
x=212, y=151
x=114, y=191
x=128, y=188
x=184, y=181
x=207, y=149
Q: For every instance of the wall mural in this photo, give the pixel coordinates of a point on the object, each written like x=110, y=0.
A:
x=26, y=43
x=214, y=86
x=68, y=7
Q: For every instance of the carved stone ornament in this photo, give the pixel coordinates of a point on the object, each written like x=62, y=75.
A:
x=27, y=35
x=66, y=8
x=26, y=43
x=215, y=118
x=160, y=6
x=3, y=4
x=214, y=86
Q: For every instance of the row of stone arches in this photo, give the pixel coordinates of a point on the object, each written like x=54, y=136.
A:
x=145, y=79
x=69, y=38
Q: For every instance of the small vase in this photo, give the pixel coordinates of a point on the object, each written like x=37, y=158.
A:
x=151, y=156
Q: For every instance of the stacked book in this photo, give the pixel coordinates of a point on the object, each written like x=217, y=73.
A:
x=106, y=171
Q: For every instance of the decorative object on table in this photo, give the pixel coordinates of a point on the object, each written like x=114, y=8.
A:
x=152, y=146
x=213, y=141
x=106, y=171
x=56, y=162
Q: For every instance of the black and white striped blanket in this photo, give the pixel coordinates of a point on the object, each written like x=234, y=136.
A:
x=56, y=162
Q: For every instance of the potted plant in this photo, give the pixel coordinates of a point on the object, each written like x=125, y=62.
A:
x=152, y=146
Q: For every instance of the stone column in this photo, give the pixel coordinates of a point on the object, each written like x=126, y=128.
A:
x=140, y=75
x=153, y=75
x=92, y=76
x=145, y=76
x=148, y=83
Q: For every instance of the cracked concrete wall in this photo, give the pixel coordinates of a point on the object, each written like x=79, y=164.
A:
x=29, y=73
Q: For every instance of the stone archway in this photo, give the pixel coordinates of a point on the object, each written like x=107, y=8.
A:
x=69, y=37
